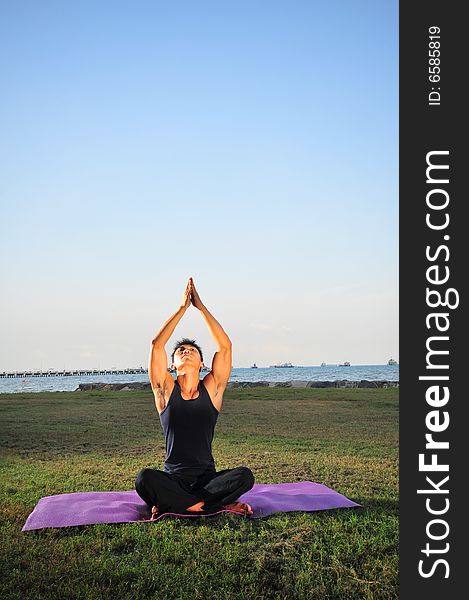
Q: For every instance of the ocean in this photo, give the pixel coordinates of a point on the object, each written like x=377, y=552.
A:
x=326, y=373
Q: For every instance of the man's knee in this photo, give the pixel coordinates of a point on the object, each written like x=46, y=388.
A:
x=142, y=477
x=247, y=476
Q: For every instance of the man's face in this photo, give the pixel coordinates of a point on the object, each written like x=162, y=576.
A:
x=187, y=355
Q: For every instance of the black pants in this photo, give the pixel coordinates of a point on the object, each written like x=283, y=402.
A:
x=173, y=493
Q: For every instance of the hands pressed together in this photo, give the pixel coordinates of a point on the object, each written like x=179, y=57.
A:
x=191, y=296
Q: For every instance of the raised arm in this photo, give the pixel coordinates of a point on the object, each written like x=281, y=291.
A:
x=158, y=361
x=222, y=360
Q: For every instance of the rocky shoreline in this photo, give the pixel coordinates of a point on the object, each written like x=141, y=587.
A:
x=342, y=383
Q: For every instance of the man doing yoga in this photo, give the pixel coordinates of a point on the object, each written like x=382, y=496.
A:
x=188, y=408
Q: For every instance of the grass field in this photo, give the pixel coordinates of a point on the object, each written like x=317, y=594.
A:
x=347, y=439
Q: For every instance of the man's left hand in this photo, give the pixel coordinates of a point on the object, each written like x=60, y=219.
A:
x=195, y=298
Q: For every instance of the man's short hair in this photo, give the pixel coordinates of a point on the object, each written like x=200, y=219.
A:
x=187, y=342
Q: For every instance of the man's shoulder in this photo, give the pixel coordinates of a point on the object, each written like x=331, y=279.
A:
x=209, y=382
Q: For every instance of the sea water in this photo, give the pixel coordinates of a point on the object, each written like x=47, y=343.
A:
x=271, y=374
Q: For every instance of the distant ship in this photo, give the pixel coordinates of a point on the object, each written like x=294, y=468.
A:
x=254, y=366
x=391, y=361
x=323, y=364
x=345, y=364
x=286, y=365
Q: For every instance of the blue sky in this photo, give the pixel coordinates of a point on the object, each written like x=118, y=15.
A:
x=252, y=145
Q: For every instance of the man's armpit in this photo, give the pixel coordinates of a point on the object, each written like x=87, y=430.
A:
x=159, y=393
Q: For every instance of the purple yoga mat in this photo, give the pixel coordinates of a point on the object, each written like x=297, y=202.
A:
x=87, y=508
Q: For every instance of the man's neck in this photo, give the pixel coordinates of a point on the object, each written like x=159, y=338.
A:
x=189, y=381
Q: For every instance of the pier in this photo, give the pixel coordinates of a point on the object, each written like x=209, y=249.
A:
x=72, y=373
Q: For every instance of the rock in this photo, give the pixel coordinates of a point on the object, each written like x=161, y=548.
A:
x=299, y=383
x=343, y=383
x=321, y=384
x=84, y=387
x=247, y=384
x=133, y=385
x=370, y=384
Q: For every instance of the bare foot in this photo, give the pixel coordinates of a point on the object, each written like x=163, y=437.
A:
x=196, y=507
x=241, y=508
x=154, y=513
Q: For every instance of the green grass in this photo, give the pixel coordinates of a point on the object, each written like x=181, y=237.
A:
x=59, y=442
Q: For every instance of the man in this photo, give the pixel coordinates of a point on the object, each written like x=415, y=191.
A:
x=188, y=408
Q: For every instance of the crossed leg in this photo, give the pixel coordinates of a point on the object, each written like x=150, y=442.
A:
x=162, y=493
x=225, y=487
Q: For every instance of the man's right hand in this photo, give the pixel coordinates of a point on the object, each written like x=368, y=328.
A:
x=186, y=297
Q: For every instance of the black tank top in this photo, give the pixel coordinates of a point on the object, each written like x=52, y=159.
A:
x=188, y=427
